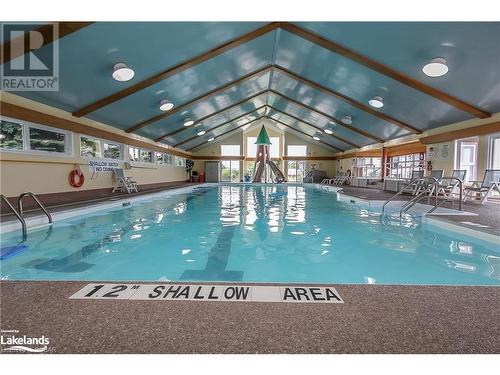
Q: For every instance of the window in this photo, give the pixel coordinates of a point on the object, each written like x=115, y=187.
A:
x=168, y=159
x=296, y=150
x=368, y=167
x=230, y=171
x=28, y=137
x=47, y=140
x=250, y=168
x=159, y=158
x=134, y=154
x=230, y=150
x=251, y=147
x=90, y=147
x=97, y=148
x=402, y=166
x=494, y=151
x=11, y=135
x=275, y=147
x=296, y=170
x=147, y=156
x=112, y=151
x=466, y=157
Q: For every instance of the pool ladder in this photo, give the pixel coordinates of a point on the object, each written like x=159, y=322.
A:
x=430, y=186
x=19, y=212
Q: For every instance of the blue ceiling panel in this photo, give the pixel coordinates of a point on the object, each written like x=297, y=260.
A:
x=273, y=114
x=87, y=56
x=318, y=120
x=211, y=105
x=223, y=129
x=189, y=84
x=336, y=108
x=361, y=83
x=472, y=51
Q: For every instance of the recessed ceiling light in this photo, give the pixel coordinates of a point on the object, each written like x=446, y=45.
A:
x=376, y=102
x=211, y=139
x=122, y=72
x=188, y=122
x=201, y=132
x=328, y=131
x=347, y=120
x=316, y=138
x=165, y=105
x=436, y=67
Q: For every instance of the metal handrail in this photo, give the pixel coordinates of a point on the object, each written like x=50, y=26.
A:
x=18, y=215
x=460, y=186
x=401, y=191
x=28, y=193
x=428, y=190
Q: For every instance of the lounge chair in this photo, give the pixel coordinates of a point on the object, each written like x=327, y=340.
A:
x=448, y=185
x=436, y=174
x=491, y=181
x=411, y=185
x=123, y=183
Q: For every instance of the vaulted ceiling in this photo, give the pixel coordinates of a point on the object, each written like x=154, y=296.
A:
x=306, y=76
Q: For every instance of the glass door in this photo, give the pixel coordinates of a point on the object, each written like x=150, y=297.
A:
x=230, y=171
x=467, y=157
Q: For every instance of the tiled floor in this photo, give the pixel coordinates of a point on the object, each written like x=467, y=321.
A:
x=373, y=319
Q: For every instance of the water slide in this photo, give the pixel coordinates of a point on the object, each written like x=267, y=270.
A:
x=280, y=177
x=262, y=158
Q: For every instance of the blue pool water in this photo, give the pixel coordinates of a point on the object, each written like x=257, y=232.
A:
x=275, y=233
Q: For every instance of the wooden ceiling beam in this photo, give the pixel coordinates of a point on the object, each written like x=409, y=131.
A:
x=383, y=69
x=333, y=119
x=224, y=123
x=212, y=114
x=225, y=133
x=301, y=132
x=207, y=55
x=316, y=127
x=349, y=100
x=65, y=28
x=204, y=96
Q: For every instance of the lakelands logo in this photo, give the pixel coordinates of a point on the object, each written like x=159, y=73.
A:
x=30, y=56
x=11, y=341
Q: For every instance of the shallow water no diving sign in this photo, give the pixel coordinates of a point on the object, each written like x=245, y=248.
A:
x=213, y=293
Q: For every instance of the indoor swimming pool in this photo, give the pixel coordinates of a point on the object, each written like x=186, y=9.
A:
x=249, y=233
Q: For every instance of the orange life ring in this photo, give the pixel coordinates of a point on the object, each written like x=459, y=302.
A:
x=76, y=178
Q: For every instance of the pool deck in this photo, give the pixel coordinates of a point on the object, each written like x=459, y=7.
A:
x=8, y=215
x=373, y=319
x=487, y=219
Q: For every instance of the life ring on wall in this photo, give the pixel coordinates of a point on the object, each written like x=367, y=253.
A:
x=76, y=178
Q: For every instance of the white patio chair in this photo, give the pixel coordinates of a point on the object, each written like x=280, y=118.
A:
x=123, y=183
x=491, y=181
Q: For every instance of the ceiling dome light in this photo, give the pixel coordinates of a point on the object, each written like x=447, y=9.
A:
x=122, y=72
x=211, y=139
x=201, y=132
x=316, y=138
x=376, y=102
x=188, y=122
x=347, y=120
x=328, y=131
x=436, y=67
x=165, y=105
